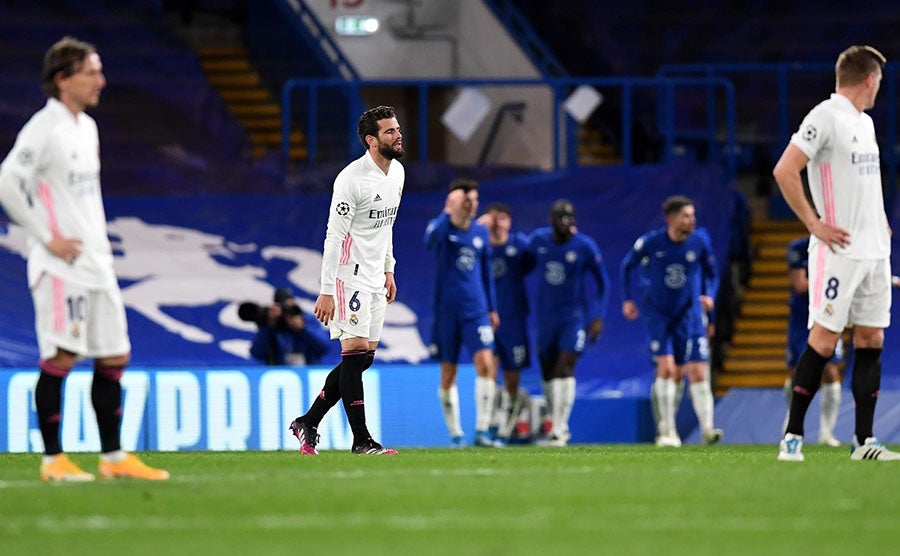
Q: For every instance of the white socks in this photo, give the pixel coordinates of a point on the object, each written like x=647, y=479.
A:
x=485, y=389
x=665, y=389
x=831, y=405
x=450, y=405
x=654, y=401
x=563, y=396
x=702, y=399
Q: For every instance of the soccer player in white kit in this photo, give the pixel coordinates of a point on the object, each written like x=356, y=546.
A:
x=849, y=249
x=357, y=281
x=50, y=186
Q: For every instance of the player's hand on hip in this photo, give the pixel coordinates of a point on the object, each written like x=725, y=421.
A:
x=391, y=286
x=324, y=309
x=831, y=235
x=66, y=248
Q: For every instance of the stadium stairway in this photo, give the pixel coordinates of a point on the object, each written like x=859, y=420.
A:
x=756, y=355
x=241, y=87
x=594, y=150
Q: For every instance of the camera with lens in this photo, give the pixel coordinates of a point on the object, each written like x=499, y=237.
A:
x=254, y=312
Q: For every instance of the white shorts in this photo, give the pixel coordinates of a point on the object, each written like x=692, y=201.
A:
x=357, y=314
x=89, y=323
x=845, y=292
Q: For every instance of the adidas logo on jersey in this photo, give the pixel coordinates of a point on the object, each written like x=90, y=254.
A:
x=377, y=198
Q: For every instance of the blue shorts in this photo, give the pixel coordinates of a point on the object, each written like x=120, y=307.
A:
x=797, y=339
x=684, y=338
x=451, y=331
x=511, y=344
x=558, y=336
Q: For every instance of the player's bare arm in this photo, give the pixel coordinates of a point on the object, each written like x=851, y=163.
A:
x=787, y=176
x=799, y=280
x=707, y=303
x=486, y=220
x=595, y=329
x=494, y=317
x=324, y=309
x=630, y=310
x=391, y=287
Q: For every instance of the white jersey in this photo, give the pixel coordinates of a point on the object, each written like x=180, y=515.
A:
x=359, y=246
x=845, y=175
x=50, y=185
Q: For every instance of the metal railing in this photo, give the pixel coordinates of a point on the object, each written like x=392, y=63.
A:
x=782, y=73
x=717, y=131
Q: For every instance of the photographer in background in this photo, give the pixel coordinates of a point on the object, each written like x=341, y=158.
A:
x=283, y=337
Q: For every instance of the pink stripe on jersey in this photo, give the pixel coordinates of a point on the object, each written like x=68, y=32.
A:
x=345, y=249
x=341, y=298
x=828, y=193
x=47, y=198
x=818, y=277
x=59, y=305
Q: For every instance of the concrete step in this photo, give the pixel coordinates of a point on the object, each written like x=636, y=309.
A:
x=743, y=338
x=775, y=238
x=772, y=252
x=744, y=352
x=781, y=282
x=257, y=109
x=224, y=51
x=765, y=296
x=298, y=152
x=755, y=365
x=226, y=65
x=766, y=267
x=245, y=95
x=763, y=310
x=724, y=381
x=226, y=80
x=273, y=137
x=768, y=226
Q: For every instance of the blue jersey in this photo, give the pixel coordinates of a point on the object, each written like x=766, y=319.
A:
x=672, y=275
x=510, y=263
x=464, y=282
x=561, y=291
x=798, y=258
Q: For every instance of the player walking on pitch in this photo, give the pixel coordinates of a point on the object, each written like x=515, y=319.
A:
x=358, y=275
x=680, y=282
x=567, y=313
x=465, y=308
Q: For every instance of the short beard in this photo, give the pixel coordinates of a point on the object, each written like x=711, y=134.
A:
x=388, y=152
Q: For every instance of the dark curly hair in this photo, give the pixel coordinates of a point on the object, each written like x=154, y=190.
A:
x=368, y=122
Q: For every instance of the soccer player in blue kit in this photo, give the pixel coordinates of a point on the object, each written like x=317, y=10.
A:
x=679, y=283
x=510, y=263
x=797, y=332
x=465, y=307
x=566, y=317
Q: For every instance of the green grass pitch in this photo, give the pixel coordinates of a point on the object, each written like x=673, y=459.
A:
x=598, y=499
